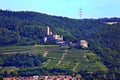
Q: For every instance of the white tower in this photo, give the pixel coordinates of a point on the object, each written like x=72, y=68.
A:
x=48, y=30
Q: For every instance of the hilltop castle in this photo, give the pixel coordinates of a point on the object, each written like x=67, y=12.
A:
x=55, y=38
x=51, y=37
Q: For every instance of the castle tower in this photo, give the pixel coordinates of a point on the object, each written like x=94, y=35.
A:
x=48, y=30
x=62, y=38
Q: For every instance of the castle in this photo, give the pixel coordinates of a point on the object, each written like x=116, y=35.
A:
x=51, y=37
x=58, y=39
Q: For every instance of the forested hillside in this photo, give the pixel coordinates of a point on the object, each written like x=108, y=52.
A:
x=28, y=28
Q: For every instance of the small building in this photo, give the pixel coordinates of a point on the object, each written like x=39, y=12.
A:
x=83, y=43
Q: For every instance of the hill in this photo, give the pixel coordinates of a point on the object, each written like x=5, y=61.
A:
x=28, y=28
x=51, y=59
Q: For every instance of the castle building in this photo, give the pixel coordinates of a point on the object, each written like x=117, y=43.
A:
x=48, y=31
x=51, y=36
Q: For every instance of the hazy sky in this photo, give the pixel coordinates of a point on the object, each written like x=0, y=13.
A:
x=66, y=8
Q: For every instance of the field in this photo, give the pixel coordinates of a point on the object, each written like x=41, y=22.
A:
x=59, y=57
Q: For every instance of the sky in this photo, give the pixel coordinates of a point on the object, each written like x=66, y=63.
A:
x=66, y=8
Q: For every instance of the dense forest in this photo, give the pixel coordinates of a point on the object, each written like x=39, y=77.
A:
x=28, y=28
x=21, y=60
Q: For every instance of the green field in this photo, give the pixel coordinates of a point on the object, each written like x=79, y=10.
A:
x=57, y=57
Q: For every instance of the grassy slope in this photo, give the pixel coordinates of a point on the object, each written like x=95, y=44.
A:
x=71, y=59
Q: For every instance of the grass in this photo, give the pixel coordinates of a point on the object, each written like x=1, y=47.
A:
x=52, y=64
x=82, y=60
x=8, y=69
x=45, y=47
x=54, y=55
x=45, y=64
x=14, y=48
x=66, y=65
x=74, y=59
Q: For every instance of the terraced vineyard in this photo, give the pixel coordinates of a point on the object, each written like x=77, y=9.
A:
x=75, y=60
x=61, y=57
x=71, y=59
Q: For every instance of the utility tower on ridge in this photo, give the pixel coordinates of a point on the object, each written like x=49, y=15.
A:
x=80, y=13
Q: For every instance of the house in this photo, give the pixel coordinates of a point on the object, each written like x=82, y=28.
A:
x=83, y=43
x=10, y=78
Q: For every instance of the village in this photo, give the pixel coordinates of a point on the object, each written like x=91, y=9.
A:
x=59, y=77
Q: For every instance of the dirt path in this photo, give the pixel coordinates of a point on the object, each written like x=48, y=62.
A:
x=19, y=51
x=59, y=62
x=75, y=67
x=45, y=54
x=46, y=63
